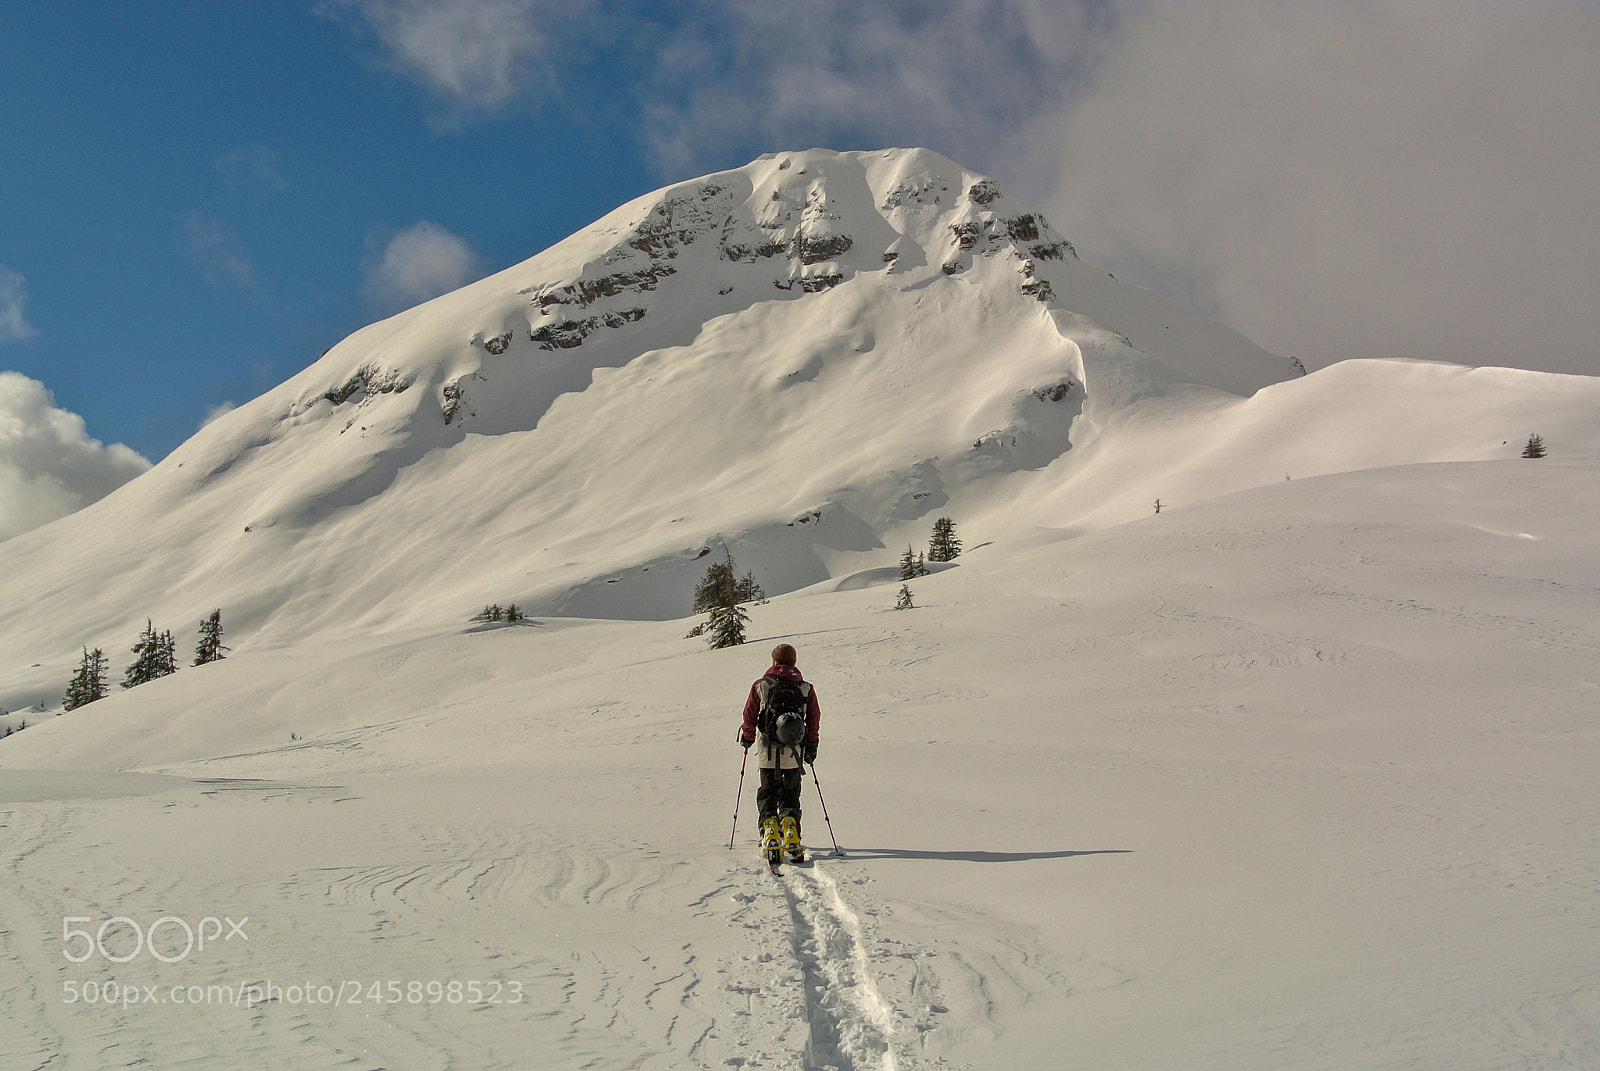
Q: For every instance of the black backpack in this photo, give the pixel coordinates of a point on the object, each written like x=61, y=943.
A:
x=782, y=718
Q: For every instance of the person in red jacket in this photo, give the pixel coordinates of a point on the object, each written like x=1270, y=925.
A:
x=772, y=716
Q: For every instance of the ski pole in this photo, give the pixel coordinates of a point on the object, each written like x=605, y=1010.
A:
x=836, y=849
x=737, y=796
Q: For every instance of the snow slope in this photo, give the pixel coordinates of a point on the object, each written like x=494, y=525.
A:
x=1294, y=773
x=1295, y=778
x=805, y=358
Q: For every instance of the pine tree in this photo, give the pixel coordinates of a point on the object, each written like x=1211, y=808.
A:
x=912, y=567
x=514, y=613
x=725, y=627
x=721, y=587
x=210, y=647
x=155, y=655
x=904, y=601
x=166, y=654
x=719, y=594
x=88, y=683
x=1535, y=447
x=944, y=546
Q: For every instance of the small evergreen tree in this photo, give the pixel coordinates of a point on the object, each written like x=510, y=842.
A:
x=514, y=613
x=944, y=546
x=1535, y=447
x=904, y=601
x=719, y=594
x=725, y=627
x=210, y=647
x=88, y=683
x=154, y=655
x=721, y=587
x=166, y=654
x=912, y=567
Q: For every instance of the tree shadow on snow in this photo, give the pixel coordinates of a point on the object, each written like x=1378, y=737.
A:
x=972, y=856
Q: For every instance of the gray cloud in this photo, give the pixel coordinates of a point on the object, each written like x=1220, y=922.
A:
x=1373, y=177
x=983, y=81
x=49, y=467
x=14, y=326
x=419, y=263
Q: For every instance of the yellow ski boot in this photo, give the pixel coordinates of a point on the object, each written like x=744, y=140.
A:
x=793, y=850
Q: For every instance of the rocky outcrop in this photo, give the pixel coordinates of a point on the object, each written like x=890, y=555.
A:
x=1055, y=393
x=926, y=192
x=814, y=250
x=799, y=221
x=369, y=380
x=566, y=334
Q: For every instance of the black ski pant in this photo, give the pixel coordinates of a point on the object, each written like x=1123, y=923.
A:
x=779, y=795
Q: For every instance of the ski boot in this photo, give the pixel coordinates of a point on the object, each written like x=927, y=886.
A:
x=793, y=850
x=772, y=841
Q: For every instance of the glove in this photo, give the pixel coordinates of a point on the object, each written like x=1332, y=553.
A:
x=810, y=753
x=745, y=743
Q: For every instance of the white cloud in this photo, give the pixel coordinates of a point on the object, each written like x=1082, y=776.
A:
x=222, y=409
x=251, y=169
x=14, y=326
x=1372, y=177
x=217, y=250
x=49, y=467
x=477, y=54
x=415, y=265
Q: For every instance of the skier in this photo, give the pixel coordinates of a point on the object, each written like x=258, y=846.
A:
x=781, y=718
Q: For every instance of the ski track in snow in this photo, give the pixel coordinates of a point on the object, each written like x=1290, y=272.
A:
x=814, y=988
x=850, y=1025
x=841, y=978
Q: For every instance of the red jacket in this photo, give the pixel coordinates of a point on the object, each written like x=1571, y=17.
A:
x=752, y=705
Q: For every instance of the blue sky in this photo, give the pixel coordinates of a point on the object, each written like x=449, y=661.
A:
x=197, y=199
x=191, y=192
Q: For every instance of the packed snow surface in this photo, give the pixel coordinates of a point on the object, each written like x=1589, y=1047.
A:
x=1296, y=772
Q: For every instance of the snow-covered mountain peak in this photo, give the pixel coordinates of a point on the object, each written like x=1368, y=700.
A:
x=651, y=272
x=803, y=357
